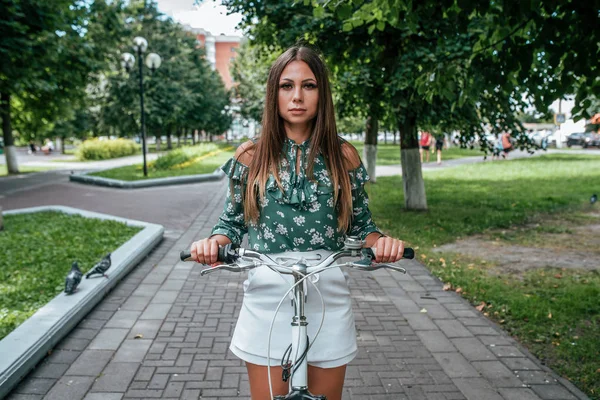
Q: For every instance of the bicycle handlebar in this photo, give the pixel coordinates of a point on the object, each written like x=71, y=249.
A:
x=229, y=254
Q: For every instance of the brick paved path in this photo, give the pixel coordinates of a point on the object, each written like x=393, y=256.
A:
x=184, y=322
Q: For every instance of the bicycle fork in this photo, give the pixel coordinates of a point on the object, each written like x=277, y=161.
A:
x=299, y=378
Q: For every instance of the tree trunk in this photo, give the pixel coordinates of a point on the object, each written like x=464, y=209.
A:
x=370, y=149
x=185, y=136
x=193, y=136
x=412, y=175
x=62, y=144
x=10, y=151
x=395, y=135
x=169, y=141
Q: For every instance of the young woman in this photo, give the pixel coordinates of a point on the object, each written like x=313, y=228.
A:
x=297, y=191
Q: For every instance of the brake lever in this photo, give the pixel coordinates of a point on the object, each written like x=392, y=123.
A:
x=372, y=267
x=227, y=267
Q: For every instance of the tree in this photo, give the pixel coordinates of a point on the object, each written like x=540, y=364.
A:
x=50, y=55
x=454, y=63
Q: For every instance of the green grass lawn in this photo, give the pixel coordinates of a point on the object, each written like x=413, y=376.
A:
x=203, y=166
x=557, y=319
x=23, y=169
x=389, y=154
x=37, y=252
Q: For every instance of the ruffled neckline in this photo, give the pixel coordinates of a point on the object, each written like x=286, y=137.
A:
x=296, y=189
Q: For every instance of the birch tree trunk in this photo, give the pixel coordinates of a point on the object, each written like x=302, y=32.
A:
x=10, y=152
x=412, y=175
x=370, y=149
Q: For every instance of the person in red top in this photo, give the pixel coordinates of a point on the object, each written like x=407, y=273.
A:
x=425, y=144
x=506, y=144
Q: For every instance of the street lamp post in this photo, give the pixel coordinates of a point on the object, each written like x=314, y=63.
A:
x=153, y=60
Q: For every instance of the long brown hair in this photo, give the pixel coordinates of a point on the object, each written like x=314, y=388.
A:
x=324, y=140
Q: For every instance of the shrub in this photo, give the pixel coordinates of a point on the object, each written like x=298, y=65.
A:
x=182, y=155
x=94, y=149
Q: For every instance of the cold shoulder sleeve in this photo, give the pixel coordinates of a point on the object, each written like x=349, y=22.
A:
x=231, y=222
x=362, y=221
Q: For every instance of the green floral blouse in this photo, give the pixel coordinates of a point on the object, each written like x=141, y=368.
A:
x=302, y=217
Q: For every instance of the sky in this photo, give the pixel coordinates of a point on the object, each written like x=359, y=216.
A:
x=210, y=15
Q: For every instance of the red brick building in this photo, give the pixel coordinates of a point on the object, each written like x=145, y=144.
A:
x=221, y=50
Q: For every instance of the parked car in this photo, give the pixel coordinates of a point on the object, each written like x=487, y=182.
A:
x=591, y=139
x=575, y=139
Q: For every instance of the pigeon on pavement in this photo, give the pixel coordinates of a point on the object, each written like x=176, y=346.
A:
x=100, y=268
x=73, y=279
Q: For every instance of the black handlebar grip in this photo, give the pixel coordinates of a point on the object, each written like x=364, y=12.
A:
x=185, y=255
x=409, y=253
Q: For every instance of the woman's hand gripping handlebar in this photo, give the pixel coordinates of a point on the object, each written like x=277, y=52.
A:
x=238, y=259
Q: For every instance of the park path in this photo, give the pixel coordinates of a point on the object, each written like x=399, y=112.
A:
x=416, y=341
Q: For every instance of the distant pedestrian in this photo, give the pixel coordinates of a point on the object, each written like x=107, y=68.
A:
x=425, y=144
x=32, y=148
x=506, y=144
x=497, y=149
x=440, y=143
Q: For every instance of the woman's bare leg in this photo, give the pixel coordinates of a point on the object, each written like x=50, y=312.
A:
x=259, y=382
x=439, y=156
x=326, y=381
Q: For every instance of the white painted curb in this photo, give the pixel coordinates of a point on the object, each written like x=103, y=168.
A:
x=83, y=177
x=24, y=347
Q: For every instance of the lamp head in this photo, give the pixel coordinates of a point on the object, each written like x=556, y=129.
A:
x=140, y=44
x=153, y=61
x=127, y=61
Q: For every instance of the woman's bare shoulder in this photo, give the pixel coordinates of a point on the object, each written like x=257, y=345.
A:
x=351, y=157
x=245, y=151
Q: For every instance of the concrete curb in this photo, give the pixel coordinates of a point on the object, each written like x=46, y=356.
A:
x=83, y=177
x=24, y=347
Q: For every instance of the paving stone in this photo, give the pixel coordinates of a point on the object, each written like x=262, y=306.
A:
x=103, y=396
x=63, y=356
x=165, y=296
x=435, y=341
x=50, y=370
x=455, y=365
x=123, y=319
x=473, y=349
x=70, y=387
x=148, y=328
x=518, y=394
x=108, y=339
x=517, y=364
x=175, y=389
x=159, y=381
x=146, y=290
x=132, y=350
x=506, y=351
x=553, y=392
x=172, y=284
x=136, y=303
x=17, y=396
x=477, y=389
x=497, y=373
x=156, y=311
x=483, y=331
x=115, y=377
x=420, y=322
x=90, y=363
x=70, y=343
x=453, y=328
x=35, y=386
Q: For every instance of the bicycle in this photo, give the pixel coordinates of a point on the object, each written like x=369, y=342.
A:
x=238, y=259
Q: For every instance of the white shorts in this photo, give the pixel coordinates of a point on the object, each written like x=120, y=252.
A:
x=336, y=344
